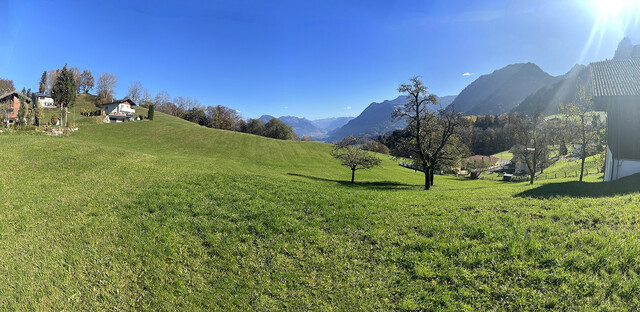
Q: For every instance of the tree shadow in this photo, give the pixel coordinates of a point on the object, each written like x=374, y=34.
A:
x=381, y=185
x=626, y=185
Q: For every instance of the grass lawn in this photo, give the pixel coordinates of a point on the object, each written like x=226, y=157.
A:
x=168, y=215
x=506, y=155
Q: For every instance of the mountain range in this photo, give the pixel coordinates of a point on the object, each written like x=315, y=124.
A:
x=516, y=88
x=546, y=99
x=315, y=129
x=499, y=92
x=377, y=119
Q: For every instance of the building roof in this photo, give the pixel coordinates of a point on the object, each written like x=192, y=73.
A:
x=14, y=92
x=42, y=94
x=131, y=102
x=613, y=78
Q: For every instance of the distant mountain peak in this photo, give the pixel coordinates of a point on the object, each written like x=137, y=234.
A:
x=377, y=119
x=547, y=98
x=626, y=50
x=502, y=90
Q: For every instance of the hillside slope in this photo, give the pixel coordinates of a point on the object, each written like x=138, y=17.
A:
x=546, y=99
x=168, y=215
x=499, y=92
x=377, y=119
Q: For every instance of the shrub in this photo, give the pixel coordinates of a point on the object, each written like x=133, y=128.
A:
x=39, y=115
x=54, y=119
x=151, y=111
x=375, y=146
x=277, y=129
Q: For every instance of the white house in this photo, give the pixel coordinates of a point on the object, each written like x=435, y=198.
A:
x=616, y=90
x=119, y=111
x=43, y=100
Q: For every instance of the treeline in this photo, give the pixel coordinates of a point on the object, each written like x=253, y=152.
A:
x=535, y=141
x=489, y=135
x=222, y=117
x=483, y=135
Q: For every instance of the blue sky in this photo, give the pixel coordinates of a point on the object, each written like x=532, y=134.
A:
x=311, y=59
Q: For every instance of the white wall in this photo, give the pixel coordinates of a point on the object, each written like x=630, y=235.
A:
x=619, y=168
x=126, y=108
x=607, y=166
x=45, y=102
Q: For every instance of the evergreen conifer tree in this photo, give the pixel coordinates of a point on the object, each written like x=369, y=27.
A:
x=64, y=91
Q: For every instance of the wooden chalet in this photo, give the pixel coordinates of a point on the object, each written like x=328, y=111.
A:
x=10, y=102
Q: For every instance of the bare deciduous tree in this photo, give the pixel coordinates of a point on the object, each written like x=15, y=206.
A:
x=77, y=77
x=86, y=81
x=532, y=145
x=106, y=87
x=353, y=156
x=6, y=85
x=52, y=76
x=432, y=141
x=147, y=98
x=135, y=91
x=221, y=117
x=162, y=99
x=585, y=123
x=477, y=166
x=186, y=103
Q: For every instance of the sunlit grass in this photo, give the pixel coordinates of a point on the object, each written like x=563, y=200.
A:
x=504, y=155
x=167, y=215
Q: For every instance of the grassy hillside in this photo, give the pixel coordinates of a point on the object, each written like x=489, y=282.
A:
x=168, y=215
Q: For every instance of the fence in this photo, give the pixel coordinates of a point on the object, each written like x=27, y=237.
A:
x=545, y=176
x=91, y=113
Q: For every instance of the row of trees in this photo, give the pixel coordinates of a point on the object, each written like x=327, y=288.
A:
x=83, y=81
x=579, y=124
x=221, y=117
x=217, y=117
x=492, y=134
x=441, y=139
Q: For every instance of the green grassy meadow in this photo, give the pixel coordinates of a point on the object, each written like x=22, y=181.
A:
x=505, y=155
x=169, y=215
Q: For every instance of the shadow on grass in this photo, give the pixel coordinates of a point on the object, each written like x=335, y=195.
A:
x=381, y=185
x=622, y=186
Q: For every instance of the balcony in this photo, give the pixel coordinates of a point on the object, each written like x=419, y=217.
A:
x=126, y=110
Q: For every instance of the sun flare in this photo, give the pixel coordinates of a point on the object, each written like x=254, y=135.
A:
x=611, y=8
x=616, y=10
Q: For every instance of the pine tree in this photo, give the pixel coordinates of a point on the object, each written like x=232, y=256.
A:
x=43, y=82
x=39, y=116
x=64, y=91
x=21, y=112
